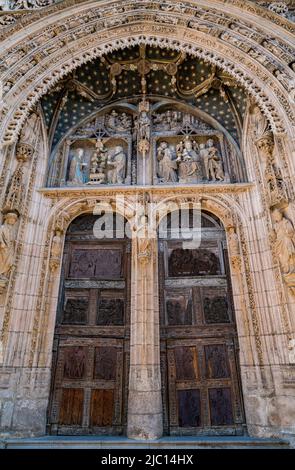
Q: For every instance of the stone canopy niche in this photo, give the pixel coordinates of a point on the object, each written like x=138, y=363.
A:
x=145, y=116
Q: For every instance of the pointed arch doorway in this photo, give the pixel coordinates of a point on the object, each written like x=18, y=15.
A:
x=91, y=342
x=201, y=386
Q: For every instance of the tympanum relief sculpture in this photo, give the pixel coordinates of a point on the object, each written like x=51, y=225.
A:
x=189, y=162
x=116, y=148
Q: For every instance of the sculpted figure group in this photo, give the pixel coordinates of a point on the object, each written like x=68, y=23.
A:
x=107, y=165
x=189, y=161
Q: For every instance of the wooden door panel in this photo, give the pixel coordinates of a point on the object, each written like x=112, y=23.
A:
x=221, y=410
x=110, y=309
x=217, y=366
x=91, y=366
x=201, y=382
x=186, y=363
x=96, y=263
x=179, y=307
x=75, y=363
x=102, y=408
x=105, y=364
x=71, y=407
x=75, y=310
x=189, y=408
x=216, y=305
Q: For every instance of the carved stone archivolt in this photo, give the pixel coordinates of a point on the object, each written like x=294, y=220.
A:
x=171, y=21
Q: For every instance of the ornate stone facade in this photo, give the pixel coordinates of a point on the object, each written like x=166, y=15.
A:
x=132, y=105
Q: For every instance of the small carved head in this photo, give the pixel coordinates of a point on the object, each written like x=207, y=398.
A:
x=265, y=144
x=277, y=215
x=10, y=218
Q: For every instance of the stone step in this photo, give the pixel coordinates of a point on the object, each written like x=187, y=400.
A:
x=110, y=442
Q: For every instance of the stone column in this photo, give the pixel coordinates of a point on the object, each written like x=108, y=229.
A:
x=145, y=401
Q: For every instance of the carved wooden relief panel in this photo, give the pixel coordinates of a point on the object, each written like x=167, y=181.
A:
x=91, y=355
x=198, y=338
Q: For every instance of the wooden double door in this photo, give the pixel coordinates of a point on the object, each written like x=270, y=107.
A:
x=199, y=348
x=91, y=345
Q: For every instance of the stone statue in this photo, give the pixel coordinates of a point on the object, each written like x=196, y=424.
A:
x=143, y=241
x=188, y=162
x=117, y=163
x=204, y=155
x=189, y=152
x=214, y=162
x=167, y=166
x=77, y=165
x=7, y=246
x=56, y=249
x=233, y=241
x=144, y=127
x=234, y=248
x=284, y=246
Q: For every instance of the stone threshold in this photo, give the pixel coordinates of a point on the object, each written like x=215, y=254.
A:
x=119, y=442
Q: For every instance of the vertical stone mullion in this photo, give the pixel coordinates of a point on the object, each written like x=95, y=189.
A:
x=145, y=401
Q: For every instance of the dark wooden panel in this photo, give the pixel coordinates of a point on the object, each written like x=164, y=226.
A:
x=102, y=407
x=179, y=309
x=220, y=406
x=189, y=408
x=105, y=364
x=96, y=263
x=75, y=311
x=215, y=305
x=217, y=366
x=110, y=311
x=75, y=362
x=186, y=363
x=71, y=407
x=197, y=262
